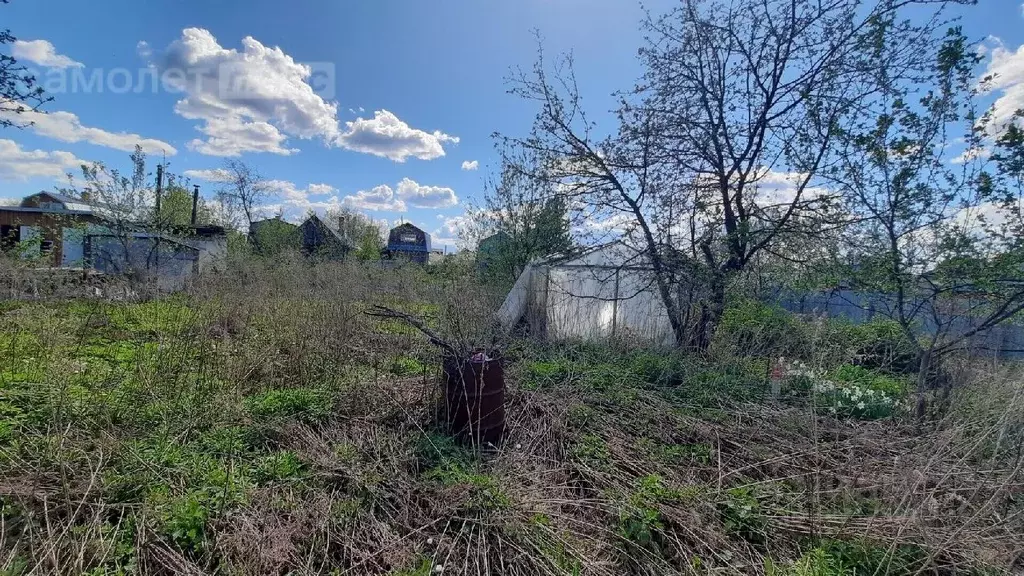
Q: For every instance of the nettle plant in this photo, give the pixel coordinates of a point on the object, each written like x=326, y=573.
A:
x=848, y=391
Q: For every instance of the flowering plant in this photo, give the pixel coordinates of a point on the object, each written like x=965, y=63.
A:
x=849, y=392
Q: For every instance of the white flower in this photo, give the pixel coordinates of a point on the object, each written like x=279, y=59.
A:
x=860, y=405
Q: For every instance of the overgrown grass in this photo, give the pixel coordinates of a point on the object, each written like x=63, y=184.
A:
x=262, y=425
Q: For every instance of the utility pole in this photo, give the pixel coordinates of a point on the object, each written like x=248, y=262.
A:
x=195, y=203
x=159, y=189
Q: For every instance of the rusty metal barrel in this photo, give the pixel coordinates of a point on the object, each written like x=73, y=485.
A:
x=475, y=399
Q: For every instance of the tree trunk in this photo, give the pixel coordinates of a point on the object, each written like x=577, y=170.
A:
x=711, y=313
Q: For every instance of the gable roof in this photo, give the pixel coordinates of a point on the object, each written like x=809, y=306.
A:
x=317, y=220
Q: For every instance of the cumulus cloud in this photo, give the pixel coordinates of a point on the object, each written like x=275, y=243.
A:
x=42, y=53
x=387, y=136
x=420, y=196
x=321, y=189
x=295, y=201
x=232, y=136
x=250, y=100
x=1005, y=75
x=67, y=127
x=779, y=188
x=378, y=199
x=470, y=165
x=209, y=174
x=19, y=164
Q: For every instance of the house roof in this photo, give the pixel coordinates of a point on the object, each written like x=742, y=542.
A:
x=334, y=231
x=70, y=203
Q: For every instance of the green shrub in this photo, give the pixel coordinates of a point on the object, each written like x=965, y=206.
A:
x=751, y=328
x=640, y=520
x=722, y=383
x=183, y=521
x=593, y=451
x=665, y=369
x=865, y=378
x=879, y=344
x=407, y=366
x=542, y=374
x=848, y=391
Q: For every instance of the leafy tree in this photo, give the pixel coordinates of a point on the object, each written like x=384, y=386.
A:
x=123, y=199
x=922, y=237
x=19, y=92
x=176, y=204
x=275, y=235
x=363, y=232
x=524, y=219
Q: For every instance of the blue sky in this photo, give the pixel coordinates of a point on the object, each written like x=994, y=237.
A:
x=418, y=88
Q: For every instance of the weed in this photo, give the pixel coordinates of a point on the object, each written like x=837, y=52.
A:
x=277, y=467
x=741, y=514
x=307, y=404
x=407, y=366
x=593, y=451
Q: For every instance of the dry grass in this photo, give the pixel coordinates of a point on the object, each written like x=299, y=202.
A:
x=295, y=435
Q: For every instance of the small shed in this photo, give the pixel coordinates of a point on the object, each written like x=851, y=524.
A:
x=163, y=259
x=321, y=239
x=56, y=222
x=409, y=242
x=605, y=292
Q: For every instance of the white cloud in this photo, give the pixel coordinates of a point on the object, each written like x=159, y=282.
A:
x=19, y=164
x=43, y=53
x=386, y=136
x=779, y=188
x=377, y=199
x=467, y=165
x=460, y=231
x=233, y=136
x=295, y=201
x=1005, y=73
x=67, y=127
x=249, y=100
x=971, y=154
x=420, y=196
x=210, y=175
x=321, y=189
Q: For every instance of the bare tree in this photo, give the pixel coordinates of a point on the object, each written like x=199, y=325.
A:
x=243, y=191
x=124, y=203
x=737, y=97
x=19, y=92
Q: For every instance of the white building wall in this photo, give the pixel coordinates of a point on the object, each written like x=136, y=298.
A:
x=580, y=303
x=605, y=293
x=641, y=311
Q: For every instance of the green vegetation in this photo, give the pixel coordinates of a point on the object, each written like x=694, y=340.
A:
x=208, y=421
